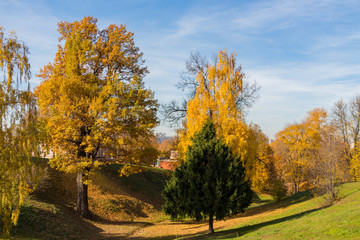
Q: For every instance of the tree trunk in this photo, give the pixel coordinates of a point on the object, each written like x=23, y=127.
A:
x=296, y=187
x=211, y=221
x=82, y=206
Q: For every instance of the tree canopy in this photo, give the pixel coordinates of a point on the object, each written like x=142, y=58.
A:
x=211, y=183
x=311, y=153
x=93, y=97
x=220, y=94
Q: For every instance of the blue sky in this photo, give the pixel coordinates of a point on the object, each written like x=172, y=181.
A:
x=303, y=54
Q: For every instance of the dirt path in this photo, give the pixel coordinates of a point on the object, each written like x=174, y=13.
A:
x=165, y=229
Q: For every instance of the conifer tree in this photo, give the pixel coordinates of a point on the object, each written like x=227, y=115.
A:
x=211, y=183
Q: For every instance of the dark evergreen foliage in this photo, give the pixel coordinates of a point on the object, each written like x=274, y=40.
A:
x=211, y=183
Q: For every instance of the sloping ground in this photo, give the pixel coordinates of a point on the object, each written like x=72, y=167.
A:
x=129, y=208
x=119, y=205
x=297, y=217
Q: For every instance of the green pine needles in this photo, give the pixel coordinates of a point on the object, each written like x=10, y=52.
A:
x=211, y=183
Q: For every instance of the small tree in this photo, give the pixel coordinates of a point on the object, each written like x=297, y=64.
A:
x=330, y=167
x=211, y=183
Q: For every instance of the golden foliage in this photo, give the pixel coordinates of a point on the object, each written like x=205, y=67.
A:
x=92, y=97
x=263, y=172
x=216, y=97
x=307, y=152
x=355, y=164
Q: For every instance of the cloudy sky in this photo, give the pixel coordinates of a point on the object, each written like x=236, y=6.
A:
x=303, y=54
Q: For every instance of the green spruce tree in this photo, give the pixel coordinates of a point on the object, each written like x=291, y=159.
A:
x=211, y=183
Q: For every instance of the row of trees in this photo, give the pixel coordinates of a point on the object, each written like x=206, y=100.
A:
x=92, y=97
x=322, y=150
x=317, y=153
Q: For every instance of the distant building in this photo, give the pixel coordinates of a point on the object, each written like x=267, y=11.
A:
x=174, y=155
x=166, y=164
x=169, y=164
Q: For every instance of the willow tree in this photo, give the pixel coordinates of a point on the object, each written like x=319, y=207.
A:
x=92, y=97
x=220, y=95
x=19, y=138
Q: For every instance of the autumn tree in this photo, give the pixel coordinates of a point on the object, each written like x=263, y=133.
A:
x=197, y=64
x=290, y=155
x=306, y=155
x=211, y=183
x=19, y=129
x=329, y=168
x=297, y=145
x=264, y=171
x=347, y=122
x=218, y=93
x=355, y=164
x=341, y=121
x=166, y=146
x=93, y=97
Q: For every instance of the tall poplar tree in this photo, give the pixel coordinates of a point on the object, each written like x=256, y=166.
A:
x=211, y=183
x=221, y=93
x=93, y=98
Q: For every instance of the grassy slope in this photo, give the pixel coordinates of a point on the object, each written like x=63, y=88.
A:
x=125, y=204
x=129, y=208
x=300, y=217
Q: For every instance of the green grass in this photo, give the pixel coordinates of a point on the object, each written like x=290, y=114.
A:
x=302, y=217
x=148, y=183
x=131, y=210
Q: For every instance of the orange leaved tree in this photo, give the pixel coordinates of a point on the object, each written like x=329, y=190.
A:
x=92, y=97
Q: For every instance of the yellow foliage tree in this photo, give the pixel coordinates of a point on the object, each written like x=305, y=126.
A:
x=290, y=154
x=355, y=164
x=305, y=155
x=92, y=97
x=19, y=129
x=347, y=123
x=264, y=173
x=297, y=145
x=217, y=96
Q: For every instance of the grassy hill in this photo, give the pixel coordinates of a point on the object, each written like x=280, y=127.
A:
x=129, y=208
x=115, y=202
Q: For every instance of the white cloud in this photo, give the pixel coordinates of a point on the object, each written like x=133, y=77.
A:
x=288, y=92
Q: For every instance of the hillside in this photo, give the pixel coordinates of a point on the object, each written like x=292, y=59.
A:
x=129, y=208
x=121, y=204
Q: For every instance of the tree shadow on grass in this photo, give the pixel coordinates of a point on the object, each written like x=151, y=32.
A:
x=237, y=232
x=233, y=233
x=272, y=206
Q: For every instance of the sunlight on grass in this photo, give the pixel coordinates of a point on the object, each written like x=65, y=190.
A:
x=300, y=216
